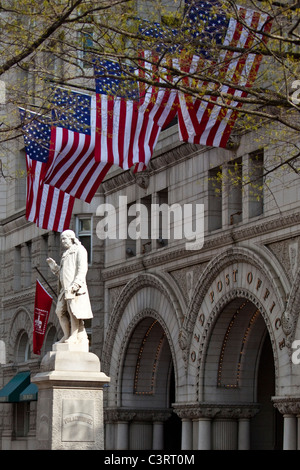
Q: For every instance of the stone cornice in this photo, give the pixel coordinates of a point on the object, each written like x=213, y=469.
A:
x=220, y=240
x=156, y=165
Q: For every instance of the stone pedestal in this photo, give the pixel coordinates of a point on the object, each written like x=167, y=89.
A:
x=70, y=400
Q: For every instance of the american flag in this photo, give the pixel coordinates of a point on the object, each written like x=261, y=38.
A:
x=71, y=165
x=210, y=123
x=46, y=206
x=129, y=117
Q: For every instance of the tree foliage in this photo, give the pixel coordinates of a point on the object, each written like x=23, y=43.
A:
x=45, y=43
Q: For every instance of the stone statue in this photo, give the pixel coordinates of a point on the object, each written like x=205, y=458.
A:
x=73, y=303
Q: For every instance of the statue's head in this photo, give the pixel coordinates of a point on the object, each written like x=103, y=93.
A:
x=68, y=238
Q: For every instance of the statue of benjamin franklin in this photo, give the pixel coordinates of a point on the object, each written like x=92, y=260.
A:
x=73, y=303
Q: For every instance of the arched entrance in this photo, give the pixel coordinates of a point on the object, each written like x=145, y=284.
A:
x=148, y=388
x=239, y=379
x=233, y=338
x=143, y=358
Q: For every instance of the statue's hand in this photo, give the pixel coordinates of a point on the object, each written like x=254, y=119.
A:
x=51, y=263
x=74, y=288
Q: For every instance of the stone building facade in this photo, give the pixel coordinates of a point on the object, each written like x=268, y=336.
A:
x=200, y=344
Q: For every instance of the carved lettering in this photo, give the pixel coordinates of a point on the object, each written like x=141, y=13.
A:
x=277, y=323
x=282, y=344
x=201, y=319
x=227, y=280
x=272, y=307
x=249, y=277
x=193, y=356
x=212, y=295
x=235, y=271
x=197, y=337
x=267, y=293
x=219, y=286
x=258, y=284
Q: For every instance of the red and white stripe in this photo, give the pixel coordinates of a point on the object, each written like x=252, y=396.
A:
x=71, y=166
x=205, y=121
x=46, y=206
x=127, y=130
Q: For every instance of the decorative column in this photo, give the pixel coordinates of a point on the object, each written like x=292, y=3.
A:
x=289, y=432
x=158, y=435
x=186, y=434
x=187, y=414
x=158, y=419
x=122, y=435
x=244, y=434
x=123, y=429
x=204, y=433
x=244, y=420
x=289, y=408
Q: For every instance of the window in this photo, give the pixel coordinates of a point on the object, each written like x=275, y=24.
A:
x=27, y=273
x=130, y=241
x=84, y=234
x=20, y=181
x=235, y=196
x=22, y=348
x=162, y=240
x=256, y=181
x=145, y=224
x=21, y=416
x=86, y=47
x=17, y=268
x=215, y=199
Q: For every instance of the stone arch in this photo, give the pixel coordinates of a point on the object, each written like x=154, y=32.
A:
x=291, y=314
x=236, y=273
x=241, y=295
x=21, y=322
x=144, y=296
x=145, y=314
x=224, y=259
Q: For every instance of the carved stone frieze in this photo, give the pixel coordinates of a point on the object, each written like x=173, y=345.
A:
x=287, y=253
x=186, y=279
x=115, y=415
x=216, y=410
x=114, y=293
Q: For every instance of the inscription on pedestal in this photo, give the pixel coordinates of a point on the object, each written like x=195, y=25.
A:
x=77, y=420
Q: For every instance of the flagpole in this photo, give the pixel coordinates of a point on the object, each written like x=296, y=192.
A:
x=46, y=281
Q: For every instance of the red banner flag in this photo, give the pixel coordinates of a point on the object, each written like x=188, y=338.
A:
x=42, y=306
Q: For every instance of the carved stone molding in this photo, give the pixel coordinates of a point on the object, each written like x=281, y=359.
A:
x=290, y=316
x=287, y=405
x=213, y=269
x=142, y=179
x=217, y=410
x=211, y=242
x=115, y=415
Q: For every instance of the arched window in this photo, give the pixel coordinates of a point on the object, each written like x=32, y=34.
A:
x=22, y=353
